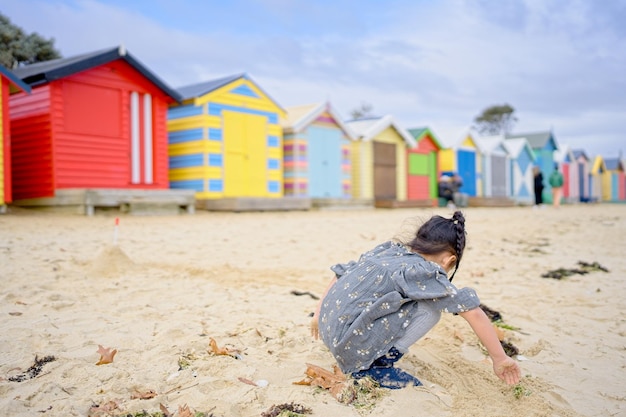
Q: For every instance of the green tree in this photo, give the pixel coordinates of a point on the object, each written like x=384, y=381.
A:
x=17, y=47
x=364, y=111
x=494, y=120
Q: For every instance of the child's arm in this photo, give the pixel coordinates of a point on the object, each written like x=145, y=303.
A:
x=315, y=331
x=504, y=367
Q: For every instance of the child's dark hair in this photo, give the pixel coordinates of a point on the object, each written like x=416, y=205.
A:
x=439, y=234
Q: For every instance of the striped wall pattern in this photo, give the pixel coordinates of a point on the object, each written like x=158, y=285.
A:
x=227, y=143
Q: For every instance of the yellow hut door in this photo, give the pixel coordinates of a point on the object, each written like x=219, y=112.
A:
x=245, y=159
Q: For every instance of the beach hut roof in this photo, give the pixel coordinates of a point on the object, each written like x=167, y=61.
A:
x=491, y=144
x=15, y=84
x=613, y=164
x=299, y=117
x=200, y=89
x=460, y=138
x=516, y=146
x=367, y=129
x=419, y=132
x=536, y=140
x=580, y=152
x=44, y=72
x=564, y=154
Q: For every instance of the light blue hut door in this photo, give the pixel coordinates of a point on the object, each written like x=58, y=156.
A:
x=325, y=173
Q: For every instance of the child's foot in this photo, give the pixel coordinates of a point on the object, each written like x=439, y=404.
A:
x=392, y=378
x=383, y=372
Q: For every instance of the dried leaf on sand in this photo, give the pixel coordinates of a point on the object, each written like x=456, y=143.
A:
x=106, y=355
x=222, y=350
x=143, y=395
x=335, y=381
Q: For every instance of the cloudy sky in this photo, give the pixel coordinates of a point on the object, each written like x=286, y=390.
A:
x=437, y=63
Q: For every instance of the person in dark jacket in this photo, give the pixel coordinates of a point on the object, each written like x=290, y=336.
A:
x=538, y=186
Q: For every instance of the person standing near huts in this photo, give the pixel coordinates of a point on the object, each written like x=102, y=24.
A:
x=538, y=178
x=556, y=182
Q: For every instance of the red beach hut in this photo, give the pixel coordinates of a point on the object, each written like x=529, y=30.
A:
x=96, y=120
x=9, y=84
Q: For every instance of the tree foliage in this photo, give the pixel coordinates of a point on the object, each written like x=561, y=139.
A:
x=18, y=48
x=362, y=112
x=497, y=119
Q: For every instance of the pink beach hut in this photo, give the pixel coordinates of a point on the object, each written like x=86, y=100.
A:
x=565, y=158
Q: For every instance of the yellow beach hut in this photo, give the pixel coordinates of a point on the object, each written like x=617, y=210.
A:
x=9, y=84
x=225, y=142
x=379, y=161
x=613, y=180
x=598, y=168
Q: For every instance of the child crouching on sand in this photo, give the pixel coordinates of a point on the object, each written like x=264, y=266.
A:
x=377, y=307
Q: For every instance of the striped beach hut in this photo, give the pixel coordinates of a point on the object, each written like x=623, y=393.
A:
x=544, y=145
x=316, y=153
x=564, y=157
x=226, y=141
x=422, y=166
x=96, y=120
x=596, y=173
x=613, y=185
x=582, y=162
x=379, y=162
x=496, y=169
x=521, y=175
x=9, y=84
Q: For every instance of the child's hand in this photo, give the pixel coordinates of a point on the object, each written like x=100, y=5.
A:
x=315, y=330
x=507, y=370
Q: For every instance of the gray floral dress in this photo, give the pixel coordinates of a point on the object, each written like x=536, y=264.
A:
x=375, y=298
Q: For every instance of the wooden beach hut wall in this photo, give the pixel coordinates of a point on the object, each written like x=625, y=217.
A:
x=613, y=180
x=422, y=166
x=596, y=173
x=379, y=171
x=544, y=145
x=96, y=120
x=316, y=153
x=565, y=160
x=495, y=166
x=226, y=141
x=582, y=162
x=9, y=84
x=521, y=175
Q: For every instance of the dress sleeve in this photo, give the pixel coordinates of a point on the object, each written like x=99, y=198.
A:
x=425, y=281
x=340, y=269
x=465, y=299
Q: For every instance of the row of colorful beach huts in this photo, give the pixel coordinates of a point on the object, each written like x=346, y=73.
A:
x=104, y=121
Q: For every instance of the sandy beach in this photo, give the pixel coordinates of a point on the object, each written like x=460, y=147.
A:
x=159, y=288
